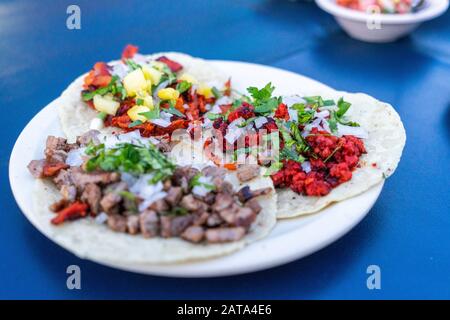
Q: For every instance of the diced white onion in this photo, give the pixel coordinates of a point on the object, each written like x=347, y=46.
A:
x=306, y=166
x=293, y=114
x=75, y=157
x=207, y=123
x=354, y=131
x=233, y=134
x=291, y=100
x=96, y=124
x=322, y=114
x=129, y=179
x=120, y=69
x=161, y=122
x=215, y=109
x=260, y=121
x=148, y=192
x=139, y=58
x=235, y=123
x=101, y=218
x=200, y=191
x=223, y=100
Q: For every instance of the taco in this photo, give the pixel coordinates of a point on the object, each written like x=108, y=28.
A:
x=155, y=94
x=120, y=199
x=323, y=149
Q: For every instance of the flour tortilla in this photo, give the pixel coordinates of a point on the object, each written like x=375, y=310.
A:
x=384, y=147
x=91, y=240
x=75, y=116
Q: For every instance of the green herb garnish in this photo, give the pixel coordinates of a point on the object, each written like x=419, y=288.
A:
x=195, y=181
x=127, y=157
x=183, y=86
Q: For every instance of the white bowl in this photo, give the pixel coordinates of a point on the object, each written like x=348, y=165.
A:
x=382, y=27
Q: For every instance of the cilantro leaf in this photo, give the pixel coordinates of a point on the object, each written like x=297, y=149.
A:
x=135, y=123
x=263, y=94
x=183, y=86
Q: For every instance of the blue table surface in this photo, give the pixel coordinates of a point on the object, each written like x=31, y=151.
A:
x=407, y=233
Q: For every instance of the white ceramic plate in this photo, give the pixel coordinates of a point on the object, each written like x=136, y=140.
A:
x=290, y=240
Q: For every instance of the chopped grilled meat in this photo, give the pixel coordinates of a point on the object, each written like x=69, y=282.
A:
x=133, y=224
x=109, y=202
x=219, y=235
x=149, y=223
x=211, y=171
x=81, y=178
x=245, y=193
x=190, y=203
x=222, y=201
x=217, y=174
x=200, y=218
x=56, y=149
x=117, y=222
x=64, y=177
x=36, y=168
x=245, y=216
x=174, y=195
x=184, y=172
x=167, y=184
x=214, y=220
x=91, y=195
x=88, y=137
x=254, y=205
x=209, y=198
x=247, y=172
x=229, y=213
x=174, y=226
x=159, y=206
x=225, y=187
x=69, y=192
x=193, y=234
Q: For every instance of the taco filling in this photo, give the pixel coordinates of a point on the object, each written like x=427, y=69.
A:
x=151, y=94
x=315, y=147
x=127, y=183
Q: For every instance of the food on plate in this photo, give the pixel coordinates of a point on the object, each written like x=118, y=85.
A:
x=322, y=150
x=120, y=198
x=155, y=94
x=382, y=6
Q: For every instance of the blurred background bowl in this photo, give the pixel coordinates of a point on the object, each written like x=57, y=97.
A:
x=371, y=27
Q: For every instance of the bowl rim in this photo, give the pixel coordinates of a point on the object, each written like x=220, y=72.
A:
x=434, y=9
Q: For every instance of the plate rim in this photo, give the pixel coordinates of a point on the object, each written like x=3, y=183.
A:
x=194, y=269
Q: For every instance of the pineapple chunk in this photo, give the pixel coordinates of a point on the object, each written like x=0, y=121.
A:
x=205, y=91
x=187, y=77
x=134, y=115
x=134, y=82
x=168, y=94
x=152, y=74
x=106, y=104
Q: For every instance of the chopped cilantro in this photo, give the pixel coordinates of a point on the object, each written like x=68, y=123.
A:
x=274, y=168
x=176, y=211
x=135, y=123
x=175, y=111
x=195, y=181
x=183, y=86
x=114, y=87
x=134, y=159
x=133, y=65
